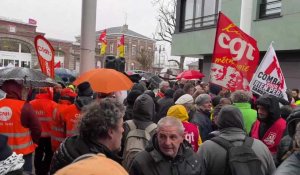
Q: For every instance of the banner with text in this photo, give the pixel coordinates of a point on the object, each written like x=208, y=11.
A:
x=268, y=78
x=235, y=56
x=45, y=53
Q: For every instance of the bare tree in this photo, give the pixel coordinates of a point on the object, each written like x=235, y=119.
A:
x=166, y=22
x=145, y=58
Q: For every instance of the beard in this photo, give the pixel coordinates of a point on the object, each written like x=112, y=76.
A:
x=262, y=118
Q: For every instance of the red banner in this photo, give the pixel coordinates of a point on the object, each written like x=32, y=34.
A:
x=235, y=56
x=45, y=53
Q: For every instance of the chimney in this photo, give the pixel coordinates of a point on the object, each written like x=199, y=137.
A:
x=124, y=28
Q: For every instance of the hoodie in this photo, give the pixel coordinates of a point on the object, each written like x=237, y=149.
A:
x=271, y=104
x=143, y=112
x=143, y=109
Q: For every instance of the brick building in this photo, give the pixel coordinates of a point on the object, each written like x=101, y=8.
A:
x=17, y=46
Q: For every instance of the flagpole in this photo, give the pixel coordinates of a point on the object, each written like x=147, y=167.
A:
x=259, y=66
x=246, y=16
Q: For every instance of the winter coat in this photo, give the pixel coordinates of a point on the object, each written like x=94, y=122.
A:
x=143, y=112
x=201, y=119
x=153, y=162
x=284, y=146
x=249, y=115
x=291, y=166
x=73, y=147
x=163, y=106
x=271, y=104
x=213, y=156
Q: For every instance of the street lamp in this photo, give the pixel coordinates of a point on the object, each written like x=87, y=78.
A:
x=159, y=49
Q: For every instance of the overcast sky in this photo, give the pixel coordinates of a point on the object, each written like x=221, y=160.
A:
x=61, y=19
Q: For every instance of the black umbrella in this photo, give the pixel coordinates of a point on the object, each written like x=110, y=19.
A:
x=28, y=77
x=152, y=79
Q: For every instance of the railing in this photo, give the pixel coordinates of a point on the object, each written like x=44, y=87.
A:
x=270, y=9
x=200, y=22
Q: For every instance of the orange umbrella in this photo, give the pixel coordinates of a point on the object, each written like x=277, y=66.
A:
x=105, y=80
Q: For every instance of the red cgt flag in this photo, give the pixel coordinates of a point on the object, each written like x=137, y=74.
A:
x=235, y=56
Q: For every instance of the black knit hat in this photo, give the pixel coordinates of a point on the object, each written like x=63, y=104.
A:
x=84, y=89
x=5, y=150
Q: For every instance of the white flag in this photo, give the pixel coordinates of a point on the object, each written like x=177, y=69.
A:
x=268, y=78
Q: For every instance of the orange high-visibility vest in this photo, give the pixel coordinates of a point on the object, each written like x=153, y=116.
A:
x=58, y=126
x=70, y=116
x=19, y=137
x=44, y=111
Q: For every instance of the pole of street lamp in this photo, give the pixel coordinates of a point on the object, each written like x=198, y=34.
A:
x=88, y=35
x=159, y=50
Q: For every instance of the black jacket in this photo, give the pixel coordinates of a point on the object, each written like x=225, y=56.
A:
x=153, y=162
x=74, y=147
x=201, y=119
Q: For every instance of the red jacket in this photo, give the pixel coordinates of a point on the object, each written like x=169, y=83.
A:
x=192, y=135
x=273, y=135
x=44, y=107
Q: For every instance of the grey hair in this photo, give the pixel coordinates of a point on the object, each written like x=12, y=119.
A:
x=163, y=84
x=170, y=121
x=241, y=96
x=98, y=117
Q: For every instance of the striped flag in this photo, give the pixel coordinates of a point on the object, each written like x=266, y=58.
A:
x=103, y=41
x=121, y=47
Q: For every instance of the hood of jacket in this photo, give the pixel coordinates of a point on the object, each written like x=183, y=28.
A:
x=230, y=116
x=143, y=108
x=13, y=89
x=271, y=104
x=178, y=111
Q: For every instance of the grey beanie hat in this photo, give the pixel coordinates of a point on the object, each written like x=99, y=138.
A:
x=202, y=98
x=230, y=116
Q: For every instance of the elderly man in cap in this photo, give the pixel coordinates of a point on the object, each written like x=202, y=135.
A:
x=202, y=115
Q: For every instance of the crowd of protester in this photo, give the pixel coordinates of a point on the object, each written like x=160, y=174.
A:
x=184, y=127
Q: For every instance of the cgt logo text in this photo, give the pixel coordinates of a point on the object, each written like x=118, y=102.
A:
x=5, y=113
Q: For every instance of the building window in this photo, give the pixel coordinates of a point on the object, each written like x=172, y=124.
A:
x=141, y=48
x=270, y=8
x=125, y=49
x=111, y=48
x=133, y=50
x=199, y=13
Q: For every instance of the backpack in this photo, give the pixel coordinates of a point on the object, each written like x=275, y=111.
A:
x=136, y=141
x=241, y=160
